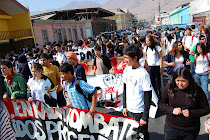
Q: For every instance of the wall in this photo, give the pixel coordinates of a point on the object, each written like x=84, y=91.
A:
x=50, y=25
x=185, y=14
x=123, y=21
x=20, y=21
x=103, y=25
x=175, y=15
x=3, y=25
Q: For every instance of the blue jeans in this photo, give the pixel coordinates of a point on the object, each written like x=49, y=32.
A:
x=202, y=81
x=192, y=68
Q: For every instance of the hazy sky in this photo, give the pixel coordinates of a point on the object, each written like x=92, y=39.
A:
x=41, y=5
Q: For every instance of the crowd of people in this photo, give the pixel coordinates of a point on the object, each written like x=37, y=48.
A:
x=53, y=75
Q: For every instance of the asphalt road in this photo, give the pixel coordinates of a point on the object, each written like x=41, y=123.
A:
x=156, y=126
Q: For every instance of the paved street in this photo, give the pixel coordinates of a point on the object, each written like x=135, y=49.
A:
x=156, y=126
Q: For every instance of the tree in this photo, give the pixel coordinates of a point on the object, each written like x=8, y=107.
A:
x=140, y=23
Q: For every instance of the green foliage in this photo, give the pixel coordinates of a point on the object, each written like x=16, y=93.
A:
x=140, y=23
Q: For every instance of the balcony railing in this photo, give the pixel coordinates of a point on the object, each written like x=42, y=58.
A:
x=5, y=35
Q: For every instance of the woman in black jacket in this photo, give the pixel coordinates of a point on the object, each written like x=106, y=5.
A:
x=176, y=58
x=184, y=103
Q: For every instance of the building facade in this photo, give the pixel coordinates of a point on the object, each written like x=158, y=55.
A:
x=58, y=31
x=180, y=14
x=185, y=14
x=92, y=18
x=122, y=17
x=200, y=13
x=162, y=19
x=15, y=26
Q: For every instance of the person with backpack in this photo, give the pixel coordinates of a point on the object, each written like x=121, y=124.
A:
x=102, y=64
x=79, y=93
x=201, y=65
x=153, y=55
x=188, y=42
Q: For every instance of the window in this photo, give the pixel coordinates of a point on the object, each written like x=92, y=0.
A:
x=81, y=31
x=70, y=36
x=59, y=35
x=45, y=36
x=75, y=33
x=63, y=32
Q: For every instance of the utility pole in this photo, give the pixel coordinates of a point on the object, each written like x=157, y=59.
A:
x=159, y=11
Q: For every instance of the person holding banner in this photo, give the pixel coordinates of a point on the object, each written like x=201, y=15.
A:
x=41, y=88
x=15, y=83
x=74, y=97
x=184, y=103
x=137, y=92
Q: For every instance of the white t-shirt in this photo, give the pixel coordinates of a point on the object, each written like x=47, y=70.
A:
x=38, y=89
x=170, y=44
x=60, y=58
x=188, y=41
x=179, y=62
x=137, y=81
x=152, y=55
x=201, y=64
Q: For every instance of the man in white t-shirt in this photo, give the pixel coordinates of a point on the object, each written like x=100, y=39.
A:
x=187, y=41
x=60, y=57
x=137, y=90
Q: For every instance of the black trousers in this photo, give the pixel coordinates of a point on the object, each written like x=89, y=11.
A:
x=155, y=79
x=60, y=99
x=171, y=133
x=141, y=129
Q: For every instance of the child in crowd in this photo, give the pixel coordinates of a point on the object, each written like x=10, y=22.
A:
x=201, y=65
x=41, y=88
x=74, y=97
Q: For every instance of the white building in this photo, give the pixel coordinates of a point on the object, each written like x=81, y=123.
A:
x=200, y=11
x=163, y=19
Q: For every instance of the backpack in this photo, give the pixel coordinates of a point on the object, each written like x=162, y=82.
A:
x=78, y=88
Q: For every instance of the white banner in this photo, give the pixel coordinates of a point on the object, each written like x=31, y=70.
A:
x=85, y=54
x=110, y=92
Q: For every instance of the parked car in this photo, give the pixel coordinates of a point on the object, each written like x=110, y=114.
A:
x=181, y=26
x=197, y=24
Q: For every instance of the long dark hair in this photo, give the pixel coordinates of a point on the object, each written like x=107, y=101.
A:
x=153, y=42
x=203, y=47
x=191, y=90
x=175, y=47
